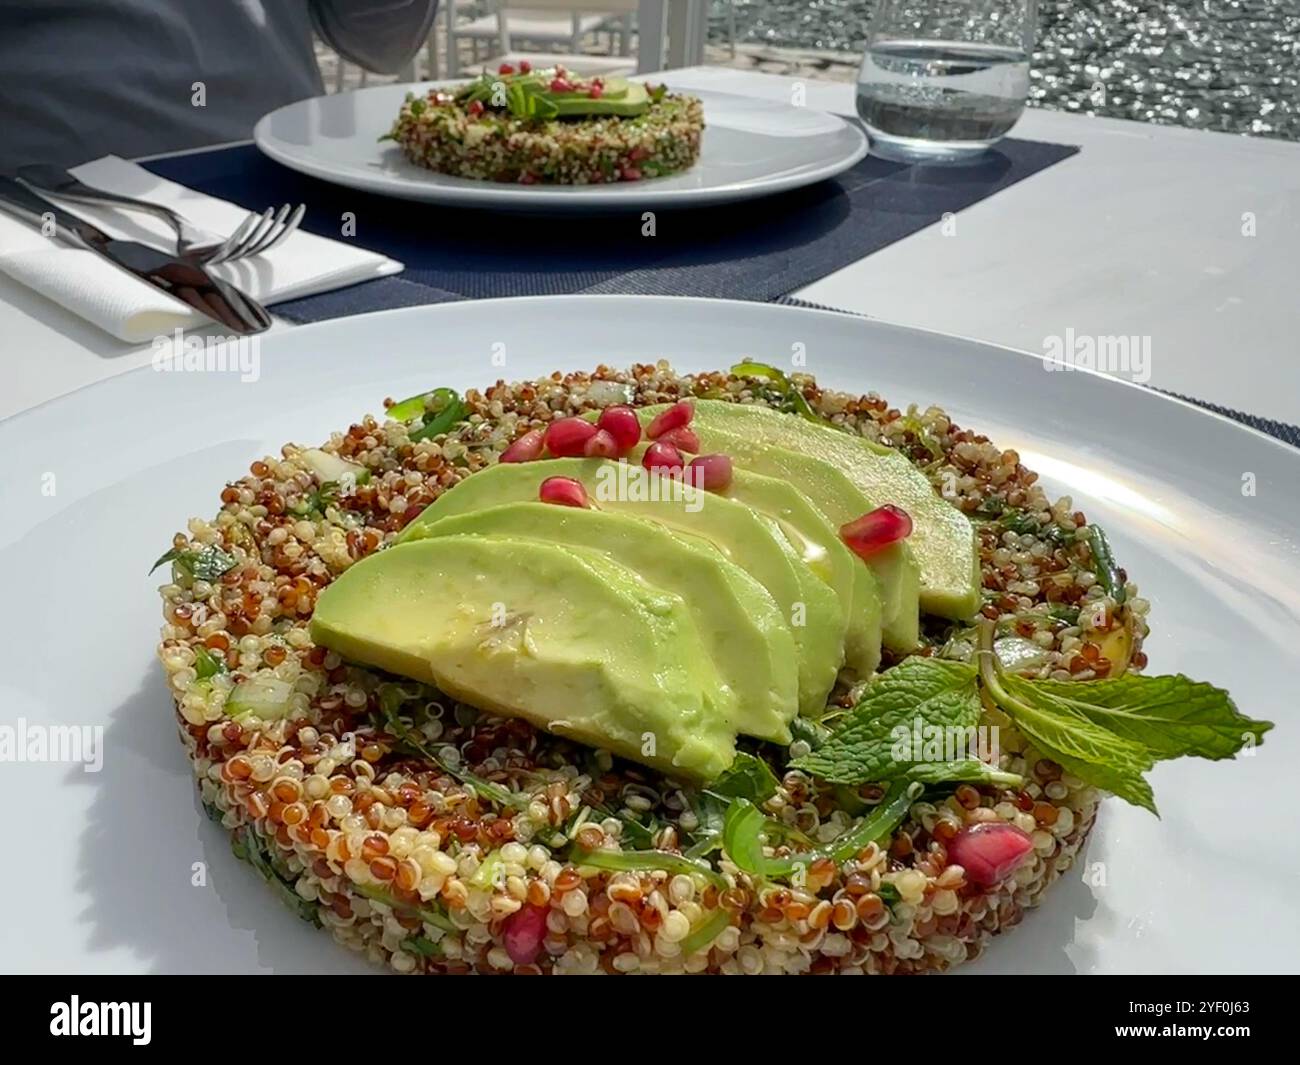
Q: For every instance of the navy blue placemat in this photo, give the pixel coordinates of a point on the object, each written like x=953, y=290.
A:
x=757, y=249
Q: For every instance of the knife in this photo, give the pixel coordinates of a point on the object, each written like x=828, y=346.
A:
x=186, y=281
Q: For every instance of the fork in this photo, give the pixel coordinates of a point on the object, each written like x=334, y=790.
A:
x=256, y=234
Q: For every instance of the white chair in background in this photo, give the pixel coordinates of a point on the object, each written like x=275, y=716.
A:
x=547, y=23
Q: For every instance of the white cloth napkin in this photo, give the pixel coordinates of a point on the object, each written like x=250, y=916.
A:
x=134, y=311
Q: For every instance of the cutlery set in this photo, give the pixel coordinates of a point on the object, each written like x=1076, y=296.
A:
x=183, y=273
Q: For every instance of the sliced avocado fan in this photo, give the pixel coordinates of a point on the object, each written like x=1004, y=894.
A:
x=741, y=628
x=749, y=540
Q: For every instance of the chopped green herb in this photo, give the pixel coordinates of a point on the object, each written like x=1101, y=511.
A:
x=813, y=733
x=249, y=846
x=1108, y=575
x=703, y=934
x=207, y=564
x=747, y=777
x=391, y=698
x=743, y=834
x=710, y=813
x=888, y=894
x=206, y=664
x=445, y=408
x=422, y=946
x=648, y=860
x=784, y=392
x=426, y=913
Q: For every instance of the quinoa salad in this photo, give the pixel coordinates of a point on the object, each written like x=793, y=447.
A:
x=550, y=127
x=433, y=836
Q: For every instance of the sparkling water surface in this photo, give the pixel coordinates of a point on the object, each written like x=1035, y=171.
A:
x=1229, y=65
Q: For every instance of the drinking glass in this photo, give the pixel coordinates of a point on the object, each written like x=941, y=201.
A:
x=943, y=80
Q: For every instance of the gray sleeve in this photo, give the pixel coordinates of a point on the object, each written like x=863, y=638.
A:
x=379, y=35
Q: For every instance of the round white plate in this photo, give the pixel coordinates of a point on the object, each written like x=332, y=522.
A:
x=120, y=870
x=750, y=148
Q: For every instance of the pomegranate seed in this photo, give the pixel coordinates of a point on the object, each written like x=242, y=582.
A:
x=526, y=448
x=602, y=446
x=877, y=529
x=475, y=108
x=524, y=931
x=505, y=68
x=561, y=85
x=661, y=458
x=989, y=851
x=674, y=417
x=630, y=173
x=711, y=471
x=683, y=438
x=595, y=91
x=621, y=423
x=638, y=153
x=567, y=437
x=527, y=178
x=563, y=491
x=525, y=67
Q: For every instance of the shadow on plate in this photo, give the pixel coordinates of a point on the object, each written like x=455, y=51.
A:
x=147, y=840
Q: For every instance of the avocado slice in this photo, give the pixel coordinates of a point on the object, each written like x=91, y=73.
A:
x=625, y=101
x=819, y=545
x=822, y=550
x=742, y=629
x=894, y=569
x=942, y=540
x=562, y=636
x=749, y=540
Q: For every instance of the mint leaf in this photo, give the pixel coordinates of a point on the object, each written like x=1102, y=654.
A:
x=1170, y=716
x=931, y=692
x=746, y=778
x=1121, y=779
x=1087, y=750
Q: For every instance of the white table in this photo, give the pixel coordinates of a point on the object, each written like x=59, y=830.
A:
x=1140, y=234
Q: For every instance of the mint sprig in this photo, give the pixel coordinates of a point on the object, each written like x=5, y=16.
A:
x=1106, y=732
x=1110, y=732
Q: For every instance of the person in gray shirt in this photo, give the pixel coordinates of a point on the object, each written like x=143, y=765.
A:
x=84, y=78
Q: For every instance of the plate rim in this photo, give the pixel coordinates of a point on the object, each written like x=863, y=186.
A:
x=506, y=196
x=1280, y=447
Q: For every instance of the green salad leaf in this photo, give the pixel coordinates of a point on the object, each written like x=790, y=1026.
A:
x=874, y=741
x=747, y=777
